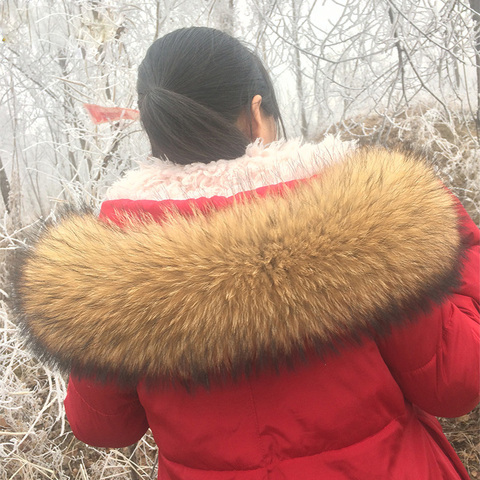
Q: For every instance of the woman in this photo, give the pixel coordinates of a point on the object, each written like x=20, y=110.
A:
x=279, y=311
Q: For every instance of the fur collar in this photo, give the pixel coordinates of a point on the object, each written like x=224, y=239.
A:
x=350, y=253
x=261, y=165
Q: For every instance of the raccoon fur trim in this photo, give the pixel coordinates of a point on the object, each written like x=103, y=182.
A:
x=347, y=254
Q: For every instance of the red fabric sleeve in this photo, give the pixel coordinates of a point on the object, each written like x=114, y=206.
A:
x=104, y=415
x=436, y=359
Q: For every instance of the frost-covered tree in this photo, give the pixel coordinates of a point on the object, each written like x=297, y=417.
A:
x=334, y=63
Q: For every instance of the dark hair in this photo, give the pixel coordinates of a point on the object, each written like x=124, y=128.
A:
x=193, y=84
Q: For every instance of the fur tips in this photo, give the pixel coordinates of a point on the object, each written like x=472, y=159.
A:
x=349, y=253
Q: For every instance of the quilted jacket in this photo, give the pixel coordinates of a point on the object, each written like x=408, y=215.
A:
x=302, y=312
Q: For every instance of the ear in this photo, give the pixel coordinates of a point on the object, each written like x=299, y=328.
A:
x=262, y=125
x=256, y=117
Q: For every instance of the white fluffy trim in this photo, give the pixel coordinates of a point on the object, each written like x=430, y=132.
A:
x=261, y=165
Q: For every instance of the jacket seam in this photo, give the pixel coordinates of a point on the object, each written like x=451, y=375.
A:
x=415, y=370
x=80, y=396
x=296, y=457
x=257, y=423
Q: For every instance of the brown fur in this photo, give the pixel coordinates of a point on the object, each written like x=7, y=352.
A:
x=346, y=254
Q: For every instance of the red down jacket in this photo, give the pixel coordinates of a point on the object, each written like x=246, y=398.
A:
x=302, y=330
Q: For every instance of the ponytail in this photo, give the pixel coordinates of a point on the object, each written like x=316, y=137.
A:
x=185, y=131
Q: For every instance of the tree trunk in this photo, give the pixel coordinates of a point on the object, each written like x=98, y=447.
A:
x=4, y=186
x=475, y=5
x=399, y=47
x=298, y=71
x=224, y=15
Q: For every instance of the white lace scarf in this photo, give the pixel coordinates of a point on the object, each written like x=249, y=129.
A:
x=261, y=165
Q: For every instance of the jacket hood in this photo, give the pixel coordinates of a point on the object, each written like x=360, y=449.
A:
x=349, y=253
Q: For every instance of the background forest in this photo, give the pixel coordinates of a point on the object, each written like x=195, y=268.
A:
x=385, y=71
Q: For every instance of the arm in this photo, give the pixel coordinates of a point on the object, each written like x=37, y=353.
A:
x=104, y=414
x=436, y=360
